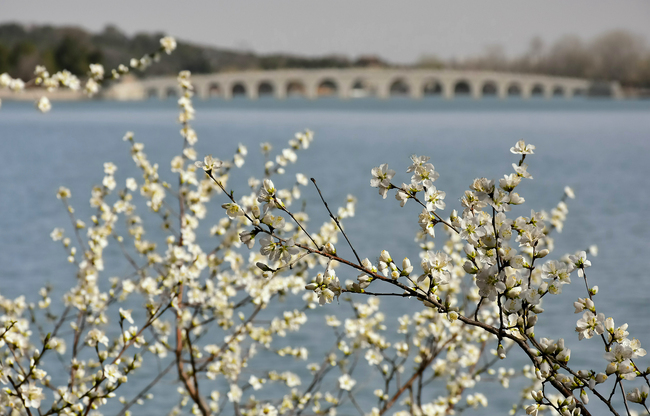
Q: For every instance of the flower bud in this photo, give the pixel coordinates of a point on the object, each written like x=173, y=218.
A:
x=514, y=292
x=564, y=355
x=600, y=378
x=501, y=352
x=537, y=309
x=538, y=396
x=532, y=409
x=407, y=268
x=469, y=250
x=366, y=264
x=319, y=279
x=311, y=286
x=542, y=253
x=470, y=268
x=330, y=249
x=609, y=324
x=385, y=257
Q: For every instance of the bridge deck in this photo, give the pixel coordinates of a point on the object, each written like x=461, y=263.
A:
x=350, y=83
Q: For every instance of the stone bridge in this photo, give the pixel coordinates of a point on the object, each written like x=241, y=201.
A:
x=351, y=83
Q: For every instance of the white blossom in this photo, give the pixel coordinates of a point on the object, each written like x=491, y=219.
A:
x=346, y=382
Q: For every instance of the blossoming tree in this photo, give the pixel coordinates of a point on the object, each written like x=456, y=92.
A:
x=201, y=308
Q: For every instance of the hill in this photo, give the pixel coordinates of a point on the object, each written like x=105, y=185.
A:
x=23, y=47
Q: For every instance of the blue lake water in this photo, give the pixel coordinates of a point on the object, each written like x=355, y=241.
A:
x=598, y=147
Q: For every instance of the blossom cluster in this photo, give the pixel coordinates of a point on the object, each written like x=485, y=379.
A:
x=209, y=313
x=96, y=75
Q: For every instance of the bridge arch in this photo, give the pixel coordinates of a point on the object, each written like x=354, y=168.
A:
x=361, y=88
x=214, y=90
x=537, y=90
x=399, y=87
x=327, y=87
x=578, y=92
x=238, y=89
x=152, y=93
x=558, y=91
x=171, y=92
x=514, y=90
x=265, y=88
x=432, y=87
x=489, y=89
x=462, y=87
x=296, y=88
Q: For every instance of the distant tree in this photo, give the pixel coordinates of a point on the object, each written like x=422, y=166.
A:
x=617, y=55
x=568, y=56
x=71, y=55
x=195, y=59
x=22, y=59
x=21, y=49
x=11, y=32
x=430, y=62
x=111, y=35
x=369, y=61
x=641, y=77
x=4, y=58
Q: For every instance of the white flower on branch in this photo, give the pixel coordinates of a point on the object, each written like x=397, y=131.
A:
x=168, y=43
x=97, y=71
x=267, y=195
x=112, y=373
x=522, y=170
x=346, y=382
x=325, y=286
x=437, y=265
x=32, y=395
x=638, y=396
x=580, y=262
x=433, y=197
x=44, y=105
x=209, y=163
x=590, y=325
x=96, y=336
x=381, y=177
x=522, y=148
x=232, y=210
x=277, y=250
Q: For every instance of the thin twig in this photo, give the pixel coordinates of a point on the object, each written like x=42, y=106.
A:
x=336, y=220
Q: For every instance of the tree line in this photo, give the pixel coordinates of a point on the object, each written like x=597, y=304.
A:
x=613, y=56
x=23, y=47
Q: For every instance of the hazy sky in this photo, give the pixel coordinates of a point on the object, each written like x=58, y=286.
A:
x=399, y=30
